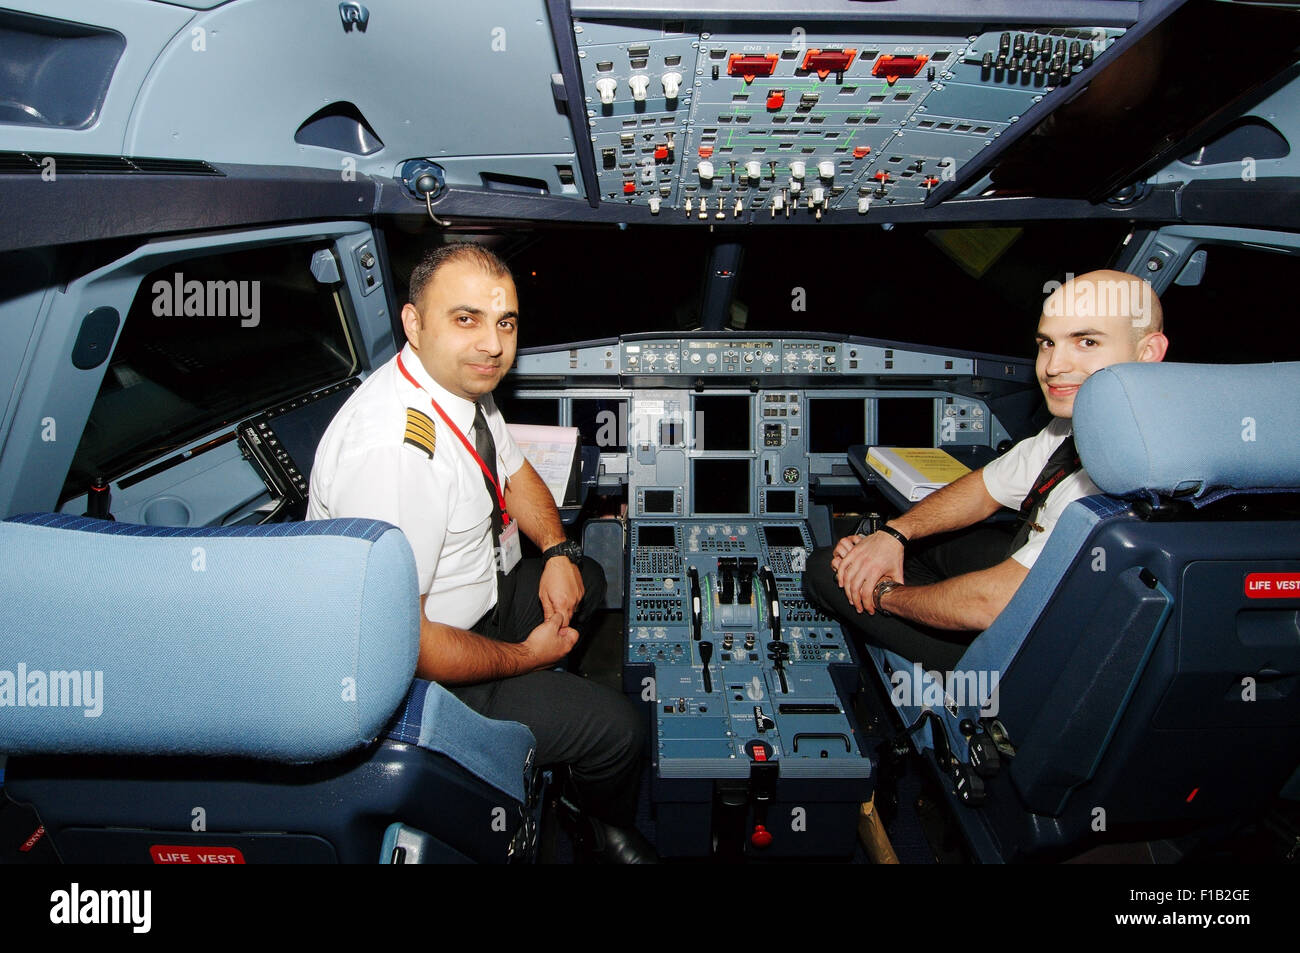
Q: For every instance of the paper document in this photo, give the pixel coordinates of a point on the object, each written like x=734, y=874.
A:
x=553, y=452
x=915, y=472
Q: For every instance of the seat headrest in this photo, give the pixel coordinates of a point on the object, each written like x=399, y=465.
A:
x=1187, y=429
x=292, y=642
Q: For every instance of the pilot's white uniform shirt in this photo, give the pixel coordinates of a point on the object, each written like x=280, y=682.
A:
x=374, y=462
x=1011, y=476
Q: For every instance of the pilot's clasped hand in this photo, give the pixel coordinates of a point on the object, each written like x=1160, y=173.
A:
x=561, y=588
x=859, y=562
x=550, y=642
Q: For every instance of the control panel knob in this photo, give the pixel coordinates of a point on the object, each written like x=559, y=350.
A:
x=826, y=169
x=769, y=358
x=818, y=196
x=639, y=85
x=706, y=170
x=712, y=358
x=607, y=87
x=672, y=84
x=797, y=170
x=754, y=170
x=654, y=205
x=695, y=357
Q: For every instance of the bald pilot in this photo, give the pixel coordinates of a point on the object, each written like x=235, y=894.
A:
x=926, y=598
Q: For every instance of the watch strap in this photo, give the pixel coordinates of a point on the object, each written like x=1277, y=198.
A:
x=568, y=548
x=883, y=587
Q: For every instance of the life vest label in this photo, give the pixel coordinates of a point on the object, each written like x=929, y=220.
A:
x=1273, y=585
x=168, y=854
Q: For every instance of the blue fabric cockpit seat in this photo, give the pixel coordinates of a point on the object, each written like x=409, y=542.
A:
x=242, y=694
x=1145, y=678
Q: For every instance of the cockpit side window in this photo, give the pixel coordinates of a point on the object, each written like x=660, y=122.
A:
x=207, y=342
x=1238, y=311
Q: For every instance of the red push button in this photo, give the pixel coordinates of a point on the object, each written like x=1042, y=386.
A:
x=776, y=101
x=861, y=152
x=661, y=153
x=761, y=837
x=706, y=151
x=629, y=188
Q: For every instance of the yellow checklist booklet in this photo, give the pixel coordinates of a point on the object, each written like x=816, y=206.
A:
x=915, y=472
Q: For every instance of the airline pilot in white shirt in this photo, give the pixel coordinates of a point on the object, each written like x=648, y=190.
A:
x=421, y=445
x=948, y=591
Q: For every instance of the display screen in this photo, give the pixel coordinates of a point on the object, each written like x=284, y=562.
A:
x=659, y=501
x=722, y=422
x=783, y=536
x=655, y=536
x=721, y=486
x=602, y=421
x=782, y=501
x=905, y=422
x=530, y=410
x=836, y=423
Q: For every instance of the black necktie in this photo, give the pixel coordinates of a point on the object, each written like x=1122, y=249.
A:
x=486, y=448
x=1063, y=461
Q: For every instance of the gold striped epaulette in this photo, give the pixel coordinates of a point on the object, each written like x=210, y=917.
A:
x=420, y=432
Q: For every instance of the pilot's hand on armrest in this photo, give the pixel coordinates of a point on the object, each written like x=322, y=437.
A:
x=860, y=562
x=550, y=642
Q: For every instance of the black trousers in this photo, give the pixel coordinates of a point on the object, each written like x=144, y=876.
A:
x=593, y=730
x=928, y=561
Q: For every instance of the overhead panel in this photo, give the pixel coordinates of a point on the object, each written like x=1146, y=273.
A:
x=750, y=126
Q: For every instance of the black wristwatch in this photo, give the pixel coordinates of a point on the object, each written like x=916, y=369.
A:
x=567, y=548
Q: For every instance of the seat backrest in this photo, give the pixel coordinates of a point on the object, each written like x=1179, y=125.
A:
x=149, y=665
x=293, y=642
x=1148, y=668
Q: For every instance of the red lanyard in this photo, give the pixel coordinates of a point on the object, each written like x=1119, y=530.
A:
x=505, y=517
